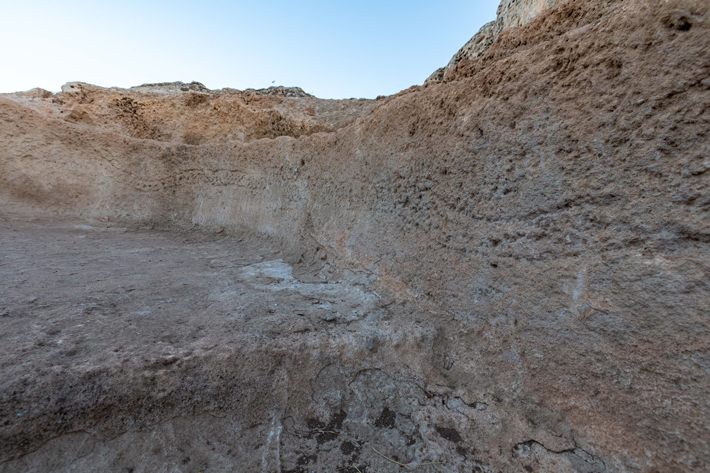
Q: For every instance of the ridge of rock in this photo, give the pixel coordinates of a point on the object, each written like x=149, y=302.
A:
x=193, y=114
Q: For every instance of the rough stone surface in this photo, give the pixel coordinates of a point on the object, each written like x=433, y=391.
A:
x=475, y=47
x=529, y=236
x=192, y=114
x=510, y=14
x=513, y=13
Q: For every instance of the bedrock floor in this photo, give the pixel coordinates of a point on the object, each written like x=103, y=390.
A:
x=78, y=292
x=128, y=349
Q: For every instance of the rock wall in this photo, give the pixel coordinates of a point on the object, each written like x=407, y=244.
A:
x=546, y=203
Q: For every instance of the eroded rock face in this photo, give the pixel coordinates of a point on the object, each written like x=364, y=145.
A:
x=513, y=13
x=475, y=47
x=158, y=111
x=510, y=14
x=542, y=213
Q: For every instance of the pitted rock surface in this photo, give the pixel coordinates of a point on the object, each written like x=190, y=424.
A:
x=504, y=270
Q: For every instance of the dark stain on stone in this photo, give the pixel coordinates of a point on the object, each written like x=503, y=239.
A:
x=326, y=433
x=336, y=420
x=314, y=424
x=326, y=436
x=301, y=462
x=347, y=447
x=386, y=419
x=307, y=459
x=449, y=434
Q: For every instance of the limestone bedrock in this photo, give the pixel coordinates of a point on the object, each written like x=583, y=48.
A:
x=504, y=269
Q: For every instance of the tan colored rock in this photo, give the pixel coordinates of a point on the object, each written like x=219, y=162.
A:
x=510, y=14
x=514, y=13
x=36, y=93
x=535, y=231
x=475, y=47
x=157, y=111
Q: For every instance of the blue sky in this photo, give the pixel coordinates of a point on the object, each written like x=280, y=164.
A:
x=332, y=49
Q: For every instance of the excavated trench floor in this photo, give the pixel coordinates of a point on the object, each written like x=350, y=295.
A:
x=129, y=349
x=91, y=297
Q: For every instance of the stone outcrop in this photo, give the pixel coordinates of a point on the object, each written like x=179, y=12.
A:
x=510, y=14
x=514, y=13
x=475, y=47
x=542, y=213
x=157, y=111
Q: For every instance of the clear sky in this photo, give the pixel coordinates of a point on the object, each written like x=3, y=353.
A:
x=332, y=49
